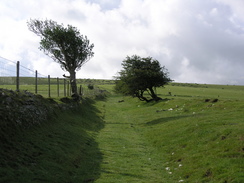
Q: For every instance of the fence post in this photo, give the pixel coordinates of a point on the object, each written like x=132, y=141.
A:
x=80, y=90
x=67, y=88
x=17, y=76
x=49, y=88
x=70, y=90
x=64, y=87
x=58, y=86
x=36, y=83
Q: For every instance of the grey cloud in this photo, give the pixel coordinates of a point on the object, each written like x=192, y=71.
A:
x=211, y=43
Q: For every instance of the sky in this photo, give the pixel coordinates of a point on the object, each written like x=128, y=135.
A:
x=197, y=41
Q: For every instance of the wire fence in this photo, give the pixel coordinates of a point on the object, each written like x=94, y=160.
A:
x=15, y=76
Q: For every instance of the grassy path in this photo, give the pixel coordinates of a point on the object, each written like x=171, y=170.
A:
x=127, y=157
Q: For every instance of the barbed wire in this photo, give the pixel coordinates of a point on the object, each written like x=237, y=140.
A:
x=8, y=68
x=7, y=60
x=31, y=80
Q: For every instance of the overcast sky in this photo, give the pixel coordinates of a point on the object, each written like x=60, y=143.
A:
x=198, y=41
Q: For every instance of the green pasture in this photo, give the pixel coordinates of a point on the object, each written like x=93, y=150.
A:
x=183, y=138
x=195, y=134
x=42, y=89
x=57, y=88
x=205, y=91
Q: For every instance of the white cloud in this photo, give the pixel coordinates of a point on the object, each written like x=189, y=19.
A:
x=198, y=41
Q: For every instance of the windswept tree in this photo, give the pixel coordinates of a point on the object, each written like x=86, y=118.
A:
x=140, y=75
x=65, y=45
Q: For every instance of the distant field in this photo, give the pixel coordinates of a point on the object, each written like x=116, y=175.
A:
x=201, y=91
x=176, y=89
x=41, y=81
x=205, y=91
x=28, y=83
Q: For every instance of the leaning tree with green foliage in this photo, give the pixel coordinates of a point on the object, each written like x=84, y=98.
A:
x=65, y=45
x=140, y=75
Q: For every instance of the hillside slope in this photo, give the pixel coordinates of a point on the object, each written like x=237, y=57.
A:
x=192, y=136
x=43, y=141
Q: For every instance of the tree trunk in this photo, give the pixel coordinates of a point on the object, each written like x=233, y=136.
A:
x=153, y=94
x=139, y=94
x=73, y=83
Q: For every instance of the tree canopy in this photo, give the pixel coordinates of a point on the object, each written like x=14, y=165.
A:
x=141, y=75
x=65, y=45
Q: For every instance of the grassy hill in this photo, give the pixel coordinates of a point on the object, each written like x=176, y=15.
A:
x=193, y=135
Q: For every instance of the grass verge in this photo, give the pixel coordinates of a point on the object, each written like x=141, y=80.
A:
x=60, y=150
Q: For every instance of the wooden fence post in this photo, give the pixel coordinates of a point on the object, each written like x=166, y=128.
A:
x=17, y=76
x=58, y=86
x=64, y=87
x=36, y=83
x=49, y=87
x=80, y=91
x=67, y=88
